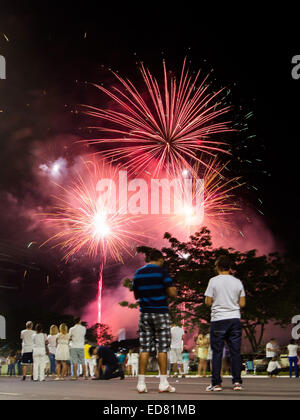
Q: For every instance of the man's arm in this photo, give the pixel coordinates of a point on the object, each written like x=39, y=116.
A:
x=208, y=300
x=171, y=292
x=133, y=289
x=242, y=302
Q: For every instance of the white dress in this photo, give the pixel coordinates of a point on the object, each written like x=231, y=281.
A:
x=62, y=350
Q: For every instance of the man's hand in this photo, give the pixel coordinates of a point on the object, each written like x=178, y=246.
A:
x=242, y=302
x=208, y=301
x=172, y=292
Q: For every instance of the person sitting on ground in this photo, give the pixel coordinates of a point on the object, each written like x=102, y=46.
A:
x=274, y=368
x=108, y=366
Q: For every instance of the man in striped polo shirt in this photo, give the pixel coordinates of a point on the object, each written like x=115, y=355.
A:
x=152, y=286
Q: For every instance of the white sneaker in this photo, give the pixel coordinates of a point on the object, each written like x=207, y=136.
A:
x=141, y=388
x=166, y=388
x=237, y=387
x=216, y=388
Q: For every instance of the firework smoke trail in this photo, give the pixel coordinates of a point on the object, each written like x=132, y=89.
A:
x=171, y=131
x=86, y=221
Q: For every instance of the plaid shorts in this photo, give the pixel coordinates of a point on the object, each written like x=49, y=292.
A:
x=155, y=332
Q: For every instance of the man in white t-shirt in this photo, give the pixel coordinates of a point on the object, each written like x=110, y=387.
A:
x=272, y=350
x=27, y=349
x=225, y=294
x=176, y=343
x=77, y=335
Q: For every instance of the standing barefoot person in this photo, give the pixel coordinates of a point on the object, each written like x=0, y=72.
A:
x=152, y=286
x=62, y=351
x=226, y=296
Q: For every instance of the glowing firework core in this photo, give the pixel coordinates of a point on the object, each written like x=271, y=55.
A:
x=100, y=225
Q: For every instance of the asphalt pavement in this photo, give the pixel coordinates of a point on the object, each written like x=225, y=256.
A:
x=255, y=388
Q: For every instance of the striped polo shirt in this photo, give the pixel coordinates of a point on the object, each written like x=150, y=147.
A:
x=150, y=283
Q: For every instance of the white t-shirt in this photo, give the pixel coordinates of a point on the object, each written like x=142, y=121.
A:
x=52, y=343
x=39, y=340
x=77, y=334
x=225, y=290
x=273, y=365
x=176, y=334
x=293, y=350
x=270, y=353
x=134, y=358
x=27, y=342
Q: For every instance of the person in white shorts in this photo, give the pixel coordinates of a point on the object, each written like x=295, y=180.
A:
x=27, y=349
x=77, y=335
x=175, y=354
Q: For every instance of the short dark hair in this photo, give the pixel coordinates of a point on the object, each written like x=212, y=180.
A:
x=39, y=328
x=155, y=255
x=91, y=350
x=77, y=320
x=223, y=263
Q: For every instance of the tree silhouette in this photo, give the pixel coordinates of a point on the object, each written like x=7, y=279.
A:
x=269, y=282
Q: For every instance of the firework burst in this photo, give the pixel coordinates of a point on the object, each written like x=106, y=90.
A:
x=91, y=222
x=87, y=221
x=170, y=129
x=211, y=201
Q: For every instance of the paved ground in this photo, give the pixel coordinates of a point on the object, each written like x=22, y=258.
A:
x=187, y=389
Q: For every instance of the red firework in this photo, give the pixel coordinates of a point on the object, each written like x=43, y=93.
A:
x=170, y=129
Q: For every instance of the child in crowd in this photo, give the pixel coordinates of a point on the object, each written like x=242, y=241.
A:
x=134, y=357
x=11, y=362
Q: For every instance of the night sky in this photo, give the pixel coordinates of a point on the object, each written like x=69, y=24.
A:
x=54, y=53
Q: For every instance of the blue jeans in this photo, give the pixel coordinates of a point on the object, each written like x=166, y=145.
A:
x=294, y=361
x=11, y=369
x=52, y=363
x=110, y=372
x=229, y=331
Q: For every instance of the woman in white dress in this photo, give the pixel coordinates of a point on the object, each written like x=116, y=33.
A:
x=39, y=353
x=62, y=351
